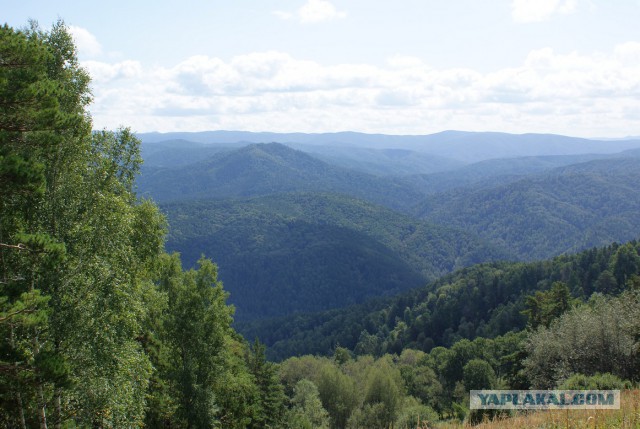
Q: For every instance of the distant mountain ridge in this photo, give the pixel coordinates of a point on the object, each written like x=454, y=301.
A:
x=264, y=169
x=495, y=172
x=459, y=145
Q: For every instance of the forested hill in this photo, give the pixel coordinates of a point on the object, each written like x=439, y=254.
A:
x=501, y=171
x=564, y=210
x=309, y=252
x=485, y=300
x=264, y=169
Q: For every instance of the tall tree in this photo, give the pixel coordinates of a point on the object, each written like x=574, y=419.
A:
x=271, y=399
x=76, y=245
x=544, y=307
x=197, y=328
x=306, y=410
x=33, y=116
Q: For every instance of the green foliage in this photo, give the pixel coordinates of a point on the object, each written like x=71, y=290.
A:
x=271, y=399
x=545, y=306
x=56, y=212
x=372, y=416
x=341, y=355
x=597, y=381
x=415, y=415
x=306, y=408
x=383, y=392
x=99, y=328
x=582, y=338
x=197, y=325
x=605, y=329
x=338, y=394
x=477, y=374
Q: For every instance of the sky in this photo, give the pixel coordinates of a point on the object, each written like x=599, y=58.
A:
x=567, y=67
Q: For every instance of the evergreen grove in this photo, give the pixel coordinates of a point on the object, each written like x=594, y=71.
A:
x=100, y=328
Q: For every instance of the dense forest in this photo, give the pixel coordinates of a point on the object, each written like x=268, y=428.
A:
x=294, y=252
x=486, y=300
x=101, y=327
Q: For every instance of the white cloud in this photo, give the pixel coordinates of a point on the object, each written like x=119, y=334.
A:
x=87, y=44
x=313, y=11
x=567, y=93
x=102, y=72
x=540, y=10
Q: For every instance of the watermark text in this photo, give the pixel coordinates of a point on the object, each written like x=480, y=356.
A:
x=544, y=399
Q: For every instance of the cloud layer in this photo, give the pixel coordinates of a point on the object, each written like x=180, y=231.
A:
x=567, y=93
x=313, y=11
x=540, y=10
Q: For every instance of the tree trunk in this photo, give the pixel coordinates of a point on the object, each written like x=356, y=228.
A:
x=42, y=407
x=58, y=406
x=23, y=423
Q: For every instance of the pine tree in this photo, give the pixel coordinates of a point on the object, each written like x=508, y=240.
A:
x=272, y=398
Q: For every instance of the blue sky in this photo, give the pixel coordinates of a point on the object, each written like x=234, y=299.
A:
x=403, y=67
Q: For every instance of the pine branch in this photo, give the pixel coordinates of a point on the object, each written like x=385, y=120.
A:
x=15, y=313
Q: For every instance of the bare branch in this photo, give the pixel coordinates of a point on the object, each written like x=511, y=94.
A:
x=18, y=246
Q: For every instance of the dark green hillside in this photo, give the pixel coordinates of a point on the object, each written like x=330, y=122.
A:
x=264, y=169
x=566, y=210
x=484, y=300
x=306, y=252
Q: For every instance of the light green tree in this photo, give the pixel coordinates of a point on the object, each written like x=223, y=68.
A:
x=306, y=408
x=338, y=395
x=197, y=326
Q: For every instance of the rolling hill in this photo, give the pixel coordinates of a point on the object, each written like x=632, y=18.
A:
x=494, y=172
x=308, y=252
x=564, y=210
x=266, y=169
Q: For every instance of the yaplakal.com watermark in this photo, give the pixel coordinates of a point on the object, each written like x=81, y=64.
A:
x=544, y=399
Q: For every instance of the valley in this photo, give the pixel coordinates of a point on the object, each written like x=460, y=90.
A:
x=295, y=232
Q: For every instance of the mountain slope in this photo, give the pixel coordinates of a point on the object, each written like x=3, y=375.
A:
x=494, y=172
x=565, y=210
x=264, y=169
x=306, y=252
x=485, y=300
x=178, y=153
